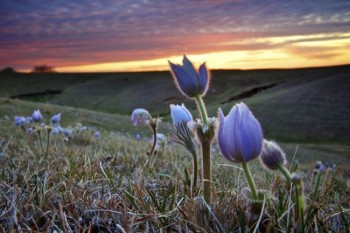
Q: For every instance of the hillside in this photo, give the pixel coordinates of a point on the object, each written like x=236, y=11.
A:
x=307, y=109
x=119, y=125
x=293, y=105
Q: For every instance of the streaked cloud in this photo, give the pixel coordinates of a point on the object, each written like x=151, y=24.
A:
x=72, y=33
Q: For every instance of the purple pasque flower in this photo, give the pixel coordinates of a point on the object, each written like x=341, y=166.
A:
x=20, y=120
x=320, y=167
x=190, y=82
x=179, y=113
x=29, y=130
x=36, y=116
x=240, y=135
x=29, y=120
x=138, y=137
x=272, y=156
x=97, y=134
x=140, y=116
x=68, y=132
x=57, y=130
x=55, y=119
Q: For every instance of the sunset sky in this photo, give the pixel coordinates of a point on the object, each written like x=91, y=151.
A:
x=130, y=35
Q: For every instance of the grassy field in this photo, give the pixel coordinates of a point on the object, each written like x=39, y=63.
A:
x=110, y=184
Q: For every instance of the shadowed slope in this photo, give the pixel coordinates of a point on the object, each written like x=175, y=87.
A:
x=121, y=93
x=307, y=109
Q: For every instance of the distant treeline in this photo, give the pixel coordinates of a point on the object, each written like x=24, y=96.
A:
x=43, y=69
x=36, y=69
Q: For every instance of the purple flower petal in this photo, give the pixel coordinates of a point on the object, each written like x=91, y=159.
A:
x=36, y=116
x=188, y=81
x=221, y=138
x=56, y=118
x=240, y=135
x=179, y=113
x=140, y=116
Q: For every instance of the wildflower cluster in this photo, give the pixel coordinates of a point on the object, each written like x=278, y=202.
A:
x=35, y=124
x=239, y=136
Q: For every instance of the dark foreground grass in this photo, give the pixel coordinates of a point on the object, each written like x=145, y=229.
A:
x=102, y=185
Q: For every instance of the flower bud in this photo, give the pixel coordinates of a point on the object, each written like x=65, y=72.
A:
x=190, y=82
x=56, y=118
x=140, y=116
x=36, y=116
x=57, y=130
x=68, y=132
x=28, y=120
x=272, y=156
x=97, y=134
x=19, y=120
x=179, y=113
x=240, y=135
x=29, y=130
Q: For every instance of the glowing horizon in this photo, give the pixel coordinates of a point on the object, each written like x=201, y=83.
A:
x=259, y=59
x=143, y=35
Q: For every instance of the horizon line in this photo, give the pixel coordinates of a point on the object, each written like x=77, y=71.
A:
x=168, y=70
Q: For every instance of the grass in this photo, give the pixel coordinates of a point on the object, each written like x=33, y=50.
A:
x=102, y=185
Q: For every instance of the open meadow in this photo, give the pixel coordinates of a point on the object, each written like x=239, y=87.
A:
x=98, y=174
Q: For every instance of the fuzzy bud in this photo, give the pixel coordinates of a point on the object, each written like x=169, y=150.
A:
x=56, y=118
x=190, y=82
x=36, y=116
x=272, y=156
x=140, y=116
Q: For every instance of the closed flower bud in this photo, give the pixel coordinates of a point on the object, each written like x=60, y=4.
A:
x=190, y=82
x=36, y=116
x=56, y=118
x=179, y=113
x=140, y=116
x=272, y=156
x=240, y=135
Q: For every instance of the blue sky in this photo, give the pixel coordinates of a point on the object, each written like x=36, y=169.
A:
x=76, y=33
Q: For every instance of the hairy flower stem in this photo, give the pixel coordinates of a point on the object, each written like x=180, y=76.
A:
x=206, y=149
x=248, y=176
x=48, y=140
x=286, y=173
x=206, y=171
x=38, y=131
x=300, y=199
x=318, y=182
x=202, y=109
x=154, y=125
x=195, y=172
x=154, y=129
